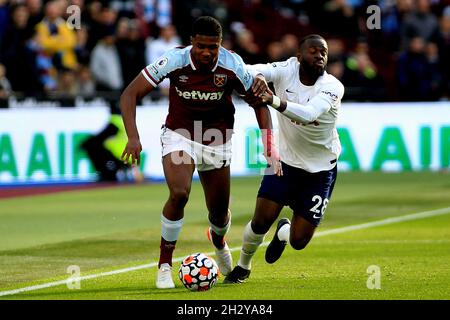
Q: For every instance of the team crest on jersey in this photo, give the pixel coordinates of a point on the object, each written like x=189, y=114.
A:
x=183, y=78
x=220, y=79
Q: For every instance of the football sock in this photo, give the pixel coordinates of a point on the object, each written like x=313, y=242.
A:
x=218, y=234
x=166, y=251
x=170, y=230
x=250, y=243
x=284, y=232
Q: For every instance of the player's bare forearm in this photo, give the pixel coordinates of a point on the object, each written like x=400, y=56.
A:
x=137, y=89
x=270, y=151
x=263, y=117
x=128, y=108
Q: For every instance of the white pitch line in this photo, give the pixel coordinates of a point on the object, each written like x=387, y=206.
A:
x=409, y=217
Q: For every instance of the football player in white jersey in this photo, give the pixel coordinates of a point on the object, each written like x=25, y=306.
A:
x=307, y=99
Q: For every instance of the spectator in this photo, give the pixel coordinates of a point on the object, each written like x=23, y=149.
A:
x=360, y=70
x=290, y=45
x=393, y=14
x=155, y=48
x=432, y=54
x=101, y=21
x=157, y=12
x=67, y=86
x=336, y=68
x=413, y=72
x=55, y=37
x=275, y=52
x=419, y=23
x=260, y=18
x=85, y=84
x=124, y=8
x=336, y=58
x=122, y=28
x=105, y=64
x=35, y=11
x=168, y=39
x=81, y=49
x=16, y=55
x=131, y=52
x=443, y=42
x=340, y=18
x=246, y=47
x=5, y=86
x=3, y=17
x=336, y=49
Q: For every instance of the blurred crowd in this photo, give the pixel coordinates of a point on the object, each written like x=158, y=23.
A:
x=48, y=50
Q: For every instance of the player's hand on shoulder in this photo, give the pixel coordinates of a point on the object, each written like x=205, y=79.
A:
x=259, y=85
x=132, y=149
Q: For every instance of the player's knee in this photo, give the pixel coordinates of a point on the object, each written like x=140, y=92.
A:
x=219, y=218
x=179, y=197
x=299, y=244
x=260, y=227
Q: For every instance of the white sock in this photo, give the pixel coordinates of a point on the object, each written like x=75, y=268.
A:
x=220, y=231
x=284, y=232
x=170, y=230
x=250, y=243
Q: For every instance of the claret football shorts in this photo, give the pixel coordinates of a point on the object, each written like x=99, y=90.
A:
x=205, y=157
x=307, y=194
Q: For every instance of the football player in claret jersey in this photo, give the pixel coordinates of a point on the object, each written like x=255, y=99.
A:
x=196, y=134
x=307, y=100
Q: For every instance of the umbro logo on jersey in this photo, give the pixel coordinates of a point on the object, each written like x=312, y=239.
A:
x=198, y=95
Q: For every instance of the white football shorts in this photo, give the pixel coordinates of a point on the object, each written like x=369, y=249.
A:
x=205, y=157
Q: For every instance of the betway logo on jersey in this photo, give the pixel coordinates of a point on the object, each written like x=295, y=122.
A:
x=198, y=95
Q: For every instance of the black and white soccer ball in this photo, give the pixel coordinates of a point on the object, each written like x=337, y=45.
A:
x=198, y=272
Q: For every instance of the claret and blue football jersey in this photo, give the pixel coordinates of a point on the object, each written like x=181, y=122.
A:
x=198, y=95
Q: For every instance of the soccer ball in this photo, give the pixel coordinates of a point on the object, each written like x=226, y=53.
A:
x=198, y=272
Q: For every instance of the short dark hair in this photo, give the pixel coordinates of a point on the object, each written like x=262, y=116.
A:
x=310, y=37
x=207, y=26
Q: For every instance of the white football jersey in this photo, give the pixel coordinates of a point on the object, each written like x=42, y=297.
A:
x=306, y=146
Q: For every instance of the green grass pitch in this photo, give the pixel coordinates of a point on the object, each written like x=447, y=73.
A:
x=101, y=230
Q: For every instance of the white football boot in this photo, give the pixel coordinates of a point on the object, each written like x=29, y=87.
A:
x=164, y=277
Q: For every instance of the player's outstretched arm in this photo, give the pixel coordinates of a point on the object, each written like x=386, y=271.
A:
x=136, y=90
x=306, y=114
